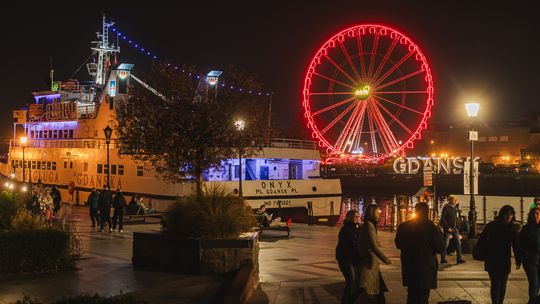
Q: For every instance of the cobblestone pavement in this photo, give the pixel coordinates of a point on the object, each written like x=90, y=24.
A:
x=105, y=268
x=302, y=269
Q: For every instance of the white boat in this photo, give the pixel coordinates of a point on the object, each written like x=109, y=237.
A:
x=67, y=147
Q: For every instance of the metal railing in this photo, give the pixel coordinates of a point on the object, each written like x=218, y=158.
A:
x=66, y=143
x=291, y=143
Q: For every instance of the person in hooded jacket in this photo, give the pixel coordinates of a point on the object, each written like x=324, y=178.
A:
x=347, y=255
x=93, y=204
x=498, y=239
x=105, y=202
x=529, y=242
x=419, y=241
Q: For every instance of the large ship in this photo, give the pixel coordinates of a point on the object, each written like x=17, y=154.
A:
x=66, y=146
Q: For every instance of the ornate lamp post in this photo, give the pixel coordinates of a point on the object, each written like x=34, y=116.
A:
x=472, y=111
x=240, y=124
x=23, y=141
x=108, y=133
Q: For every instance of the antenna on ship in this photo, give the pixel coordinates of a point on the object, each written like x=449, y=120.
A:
x=51, y=74
x=104, y=53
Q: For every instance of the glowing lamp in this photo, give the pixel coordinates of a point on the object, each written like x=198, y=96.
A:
x=108, y=133
x=23, y=140
x=472, y=109
x=239, y=124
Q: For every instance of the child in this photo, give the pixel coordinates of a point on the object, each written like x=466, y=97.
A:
x=48, y=214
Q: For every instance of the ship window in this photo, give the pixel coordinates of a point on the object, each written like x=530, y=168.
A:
x=48, y=165
x=85, y=167
x=55, y=134
x=113, y=169
x=120, y=169
x=65, y=164
x=71, y=164
x=70, y=133
x=45, y=134
x=40, y=134
x=31, y=134
x=99, y=168
x=236, y=171
x=19, y=164
x=140, y=171
x=43, y=165
x=66, y=133
x=53, y=166
x=105, y=169
x=50, y=134
x=33, y=165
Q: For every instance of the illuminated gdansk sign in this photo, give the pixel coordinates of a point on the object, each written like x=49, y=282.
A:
x=413, y=165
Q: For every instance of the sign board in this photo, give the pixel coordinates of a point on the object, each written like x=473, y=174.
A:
x=473, y=135
x=428, y=177
x=112, y=88
x=466, y=176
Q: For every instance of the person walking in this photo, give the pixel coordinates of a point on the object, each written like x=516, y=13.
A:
x=348, y=255
x=105, y=201
x=93, y=204
x=497, y=240
x=57, y=198
x=419, y=241
x=449, y=221
x=529, y=242
x=371, y=280
x=119, y=202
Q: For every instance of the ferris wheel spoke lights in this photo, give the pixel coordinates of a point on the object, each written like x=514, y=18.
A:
x=368, y=93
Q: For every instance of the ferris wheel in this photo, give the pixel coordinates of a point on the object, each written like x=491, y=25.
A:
x=368, y=92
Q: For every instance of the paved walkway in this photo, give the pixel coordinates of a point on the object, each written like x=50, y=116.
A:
x=303, y=269
x=106, y=269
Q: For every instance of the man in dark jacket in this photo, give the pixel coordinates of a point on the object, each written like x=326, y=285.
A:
x=419, y=241
x=93, y=203
x=118, y=216
x=57, y=198
x=105, y=202
x=449, y=220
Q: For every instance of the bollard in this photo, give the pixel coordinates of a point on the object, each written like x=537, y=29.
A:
x=331, y=208
x=310, y=212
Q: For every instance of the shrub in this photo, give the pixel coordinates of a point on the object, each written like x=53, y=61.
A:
x=25, y=220
x=35, y=251
x=9, y=204
x=215, y=215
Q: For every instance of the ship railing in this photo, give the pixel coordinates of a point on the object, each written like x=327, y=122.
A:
x=291, y=143
x=66, y=143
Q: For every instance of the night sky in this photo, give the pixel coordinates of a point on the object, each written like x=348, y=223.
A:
x=476, y=50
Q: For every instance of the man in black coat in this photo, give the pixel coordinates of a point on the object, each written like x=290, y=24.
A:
x=105, y=202
x=419, y=241
x=57, y=198
x=449, y=223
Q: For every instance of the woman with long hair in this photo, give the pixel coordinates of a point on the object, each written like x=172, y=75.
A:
x=347, y=255
x=498, y=239
x=371, y=281
x=529, y=242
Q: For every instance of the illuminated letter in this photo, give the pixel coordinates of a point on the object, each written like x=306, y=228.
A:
x=410, y=162
x=400, y=166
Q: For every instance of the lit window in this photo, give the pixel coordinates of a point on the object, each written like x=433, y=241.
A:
x=503, y=138
x=492, y=139
x=482, y=139
x=140, y=171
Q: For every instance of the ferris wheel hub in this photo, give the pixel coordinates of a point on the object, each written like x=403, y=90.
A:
x=362, y=92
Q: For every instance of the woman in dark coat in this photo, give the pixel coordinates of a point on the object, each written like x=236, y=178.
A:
x=419, y=241
x=529, y=242
x=347, y=255
x=497, y=240
x=371, y=280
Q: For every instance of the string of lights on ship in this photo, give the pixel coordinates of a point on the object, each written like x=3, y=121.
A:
x=154, y=57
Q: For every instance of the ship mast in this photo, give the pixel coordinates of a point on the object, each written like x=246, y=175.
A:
x=104, y=52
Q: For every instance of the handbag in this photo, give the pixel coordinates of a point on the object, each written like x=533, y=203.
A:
x=478, y=252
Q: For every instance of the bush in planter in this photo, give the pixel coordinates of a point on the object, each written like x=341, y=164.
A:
x=9, y=204
x=25, y=220
x=215, y=215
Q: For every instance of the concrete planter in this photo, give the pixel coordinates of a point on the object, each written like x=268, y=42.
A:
x=160, y=251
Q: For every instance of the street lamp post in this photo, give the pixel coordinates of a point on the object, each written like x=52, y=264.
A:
x=239, y=124
x=108, y=133
x=472, y=111
x=23, y=140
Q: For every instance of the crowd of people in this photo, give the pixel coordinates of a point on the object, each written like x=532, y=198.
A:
x=47, y=201
x=420, y=240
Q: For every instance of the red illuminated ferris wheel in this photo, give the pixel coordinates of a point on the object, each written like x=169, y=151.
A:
x=368, y=92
